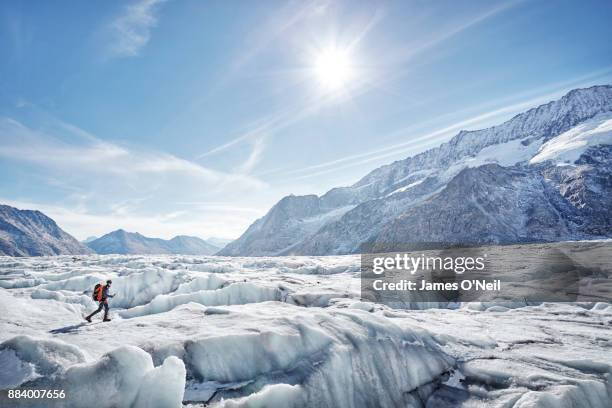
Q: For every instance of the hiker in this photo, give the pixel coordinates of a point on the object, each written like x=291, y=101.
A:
x=101, y=295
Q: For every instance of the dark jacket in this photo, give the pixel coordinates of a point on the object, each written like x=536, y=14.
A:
x=105, y=294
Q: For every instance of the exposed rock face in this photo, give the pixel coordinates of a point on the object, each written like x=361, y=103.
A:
x=32, y=233
x=123, y=242
x=544, y=175
x=522, y=203
x=291, y=217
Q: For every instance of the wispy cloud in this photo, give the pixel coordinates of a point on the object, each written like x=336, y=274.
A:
x=223, y=221
x=131, y=30
x=89, y=155
x=97, y=186
x=413, y=145
x=418, y=143
x=270, y=125
x=277, y=25
x=254, y=157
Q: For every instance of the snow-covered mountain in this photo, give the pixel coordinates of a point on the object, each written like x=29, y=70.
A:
x=544, y=175
x=32, y=233
x=123, y=242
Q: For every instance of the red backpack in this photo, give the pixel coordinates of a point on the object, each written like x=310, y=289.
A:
x=97, y=292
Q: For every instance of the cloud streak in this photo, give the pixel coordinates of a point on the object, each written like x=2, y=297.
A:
x=87, y=154
x=280, y=120
x=222, y=222
x=131, y=30
x=94, y=186
x=433, y=138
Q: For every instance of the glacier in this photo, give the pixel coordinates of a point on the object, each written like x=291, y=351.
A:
x=287, y=331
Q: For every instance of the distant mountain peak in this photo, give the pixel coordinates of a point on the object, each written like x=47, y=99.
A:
x=124, y=242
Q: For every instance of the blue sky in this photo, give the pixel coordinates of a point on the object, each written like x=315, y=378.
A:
x=194, y=117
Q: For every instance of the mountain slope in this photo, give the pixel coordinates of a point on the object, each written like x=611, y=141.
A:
x=32, y=233
x=218, y=242
x=535, y=141
x=123, y=242
x=186, y=245
x=500, y=205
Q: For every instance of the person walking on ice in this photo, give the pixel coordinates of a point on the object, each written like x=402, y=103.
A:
x=101, y=295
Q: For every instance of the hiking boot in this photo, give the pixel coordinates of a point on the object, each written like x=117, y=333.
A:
x=88, y=319
x=106, y=319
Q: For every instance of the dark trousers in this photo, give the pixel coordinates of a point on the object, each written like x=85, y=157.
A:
x=104, y=305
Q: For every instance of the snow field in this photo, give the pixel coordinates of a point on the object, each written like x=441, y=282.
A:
x=283, y=332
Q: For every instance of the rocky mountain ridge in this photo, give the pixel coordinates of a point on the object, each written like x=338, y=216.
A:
x=123, y=242
x=376, y=210
x=32, y=233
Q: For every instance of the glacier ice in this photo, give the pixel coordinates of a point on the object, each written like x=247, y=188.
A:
x=270, y=396
x=163, y=386
x=283, y=332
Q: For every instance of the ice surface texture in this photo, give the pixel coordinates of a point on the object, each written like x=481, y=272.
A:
x=283, y=332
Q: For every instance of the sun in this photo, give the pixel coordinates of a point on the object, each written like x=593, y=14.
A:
x=333, y=68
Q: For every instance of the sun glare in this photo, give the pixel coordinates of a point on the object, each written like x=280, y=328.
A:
x=333, y=68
